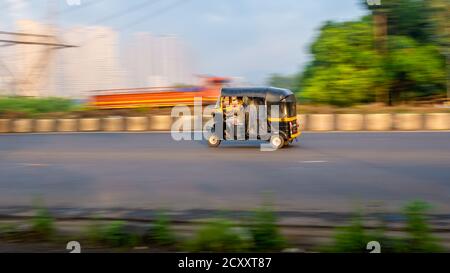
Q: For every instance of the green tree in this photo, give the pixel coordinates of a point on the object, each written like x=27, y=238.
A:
x=440, y=19
x=346, y=66
x=406, y=18
x=415, y=70
x=396, y=54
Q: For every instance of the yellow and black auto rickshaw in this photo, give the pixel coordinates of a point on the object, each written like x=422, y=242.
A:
x=250, y=113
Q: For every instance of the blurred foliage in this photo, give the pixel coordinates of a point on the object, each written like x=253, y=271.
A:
x=30, y=106
x=43, y=223
x=351, y=238
x=440, y=20
x=414, y=70
x=350, y=66
x=345, y=67
x=263, y=234
x=113, y=234
x=93, y=232
x=8, y=229
x=419, y=238
x=406, y=18
x=219, y=235
x=265, y=231
x=161, y=232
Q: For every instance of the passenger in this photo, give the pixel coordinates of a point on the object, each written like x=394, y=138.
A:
x=229, y=119
x=225, y=102
x=237, y=105
x=252, y=123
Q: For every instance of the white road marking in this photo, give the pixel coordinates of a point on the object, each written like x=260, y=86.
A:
x=314, y=161
x=34, y=165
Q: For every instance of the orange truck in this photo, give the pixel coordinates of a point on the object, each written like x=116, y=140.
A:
x=158, y=96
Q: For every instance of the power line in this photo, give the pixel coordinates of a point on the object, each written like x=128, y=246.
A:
x=35, y=43
x=106, y=18
x=79, y=7
x=115, y=15
x=152, y=15
x=68, y=10
x=25, y=34
x=156, y=13
x=144, y=18
x=125, y=12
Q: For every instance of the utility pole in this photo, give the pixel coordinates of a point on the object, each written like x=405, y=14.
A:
x=441, y=21
x=380, y=25
x=27, y=82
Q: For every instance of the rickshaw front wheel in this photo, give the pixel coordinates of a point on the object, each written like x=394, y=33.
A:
x=277, y=141
x=213, y=141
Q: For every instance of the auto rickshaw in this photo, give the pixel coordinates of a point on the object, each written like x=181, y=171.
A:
x=274, y=120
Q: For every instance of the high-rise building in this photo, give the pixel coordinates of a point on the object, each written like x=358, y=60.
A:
x=69, y=72
x=7, y=70
x=32, y=64
x=95, y=63
x=157, y=61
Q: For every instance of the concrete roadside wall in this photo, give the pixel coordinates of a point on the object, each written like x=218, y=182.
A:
x=160, y=123
x=321, y=122
x=308, y=122
x=89, y=124
x=302, y=120
x=437, y=121
x=349, y=122
x=22, y=126
x=44, y=125
x=378, y=122
x=5, y=125
x=67, y=125
x=136, y=124
x=113, y=124
x=408, y=122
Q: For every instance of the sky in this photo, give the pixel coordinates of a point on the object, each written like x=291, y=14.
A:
x=244, y=38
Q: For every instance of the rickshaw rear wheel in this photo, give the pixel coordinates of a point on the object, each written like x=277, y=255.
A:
x=213, y=141
x=277, y=141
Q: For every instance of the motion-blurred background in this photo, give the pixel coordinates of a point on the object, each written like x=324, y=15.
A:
x=337, y=53
x=111, y=65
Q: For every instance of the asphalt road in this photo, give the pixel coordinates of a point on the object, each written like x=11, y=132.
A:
x=323, y=171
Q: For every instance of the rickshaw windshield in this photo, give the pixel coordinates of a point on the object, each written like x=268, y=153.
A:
x=288, y=107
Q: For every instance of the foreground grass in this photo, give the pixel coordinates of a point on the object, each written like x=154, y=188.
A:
x=29, y=107
x=418, y=237
x=258, y=233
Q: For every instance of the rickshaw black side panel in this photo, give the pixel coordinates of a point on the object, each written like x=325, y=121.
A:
x=270, y=94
